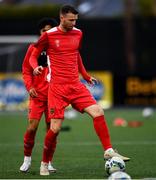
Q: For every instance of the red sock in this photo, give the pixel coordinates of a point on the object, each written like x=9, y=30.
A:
x=52, y=150
x=102, y=131
x=29, y=139
x=50, y=138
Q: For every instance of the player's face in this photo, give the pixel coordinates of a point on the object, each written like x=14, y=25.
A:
x=46, y=28
x=68, y=21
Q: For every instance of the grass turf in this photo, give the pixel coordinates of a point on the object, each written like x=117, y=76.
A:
x=79, y=154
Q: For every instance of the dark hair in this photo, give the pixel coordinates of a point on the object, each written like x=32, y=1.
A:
x=68, y=9
x=46, y=21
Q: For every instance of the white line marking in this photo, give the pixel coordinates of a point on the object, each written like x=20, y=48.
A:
x=128, y=143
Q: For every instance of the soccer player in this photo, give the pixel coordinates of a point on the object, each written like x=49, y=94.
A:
x=62, y=44
x=37, y=87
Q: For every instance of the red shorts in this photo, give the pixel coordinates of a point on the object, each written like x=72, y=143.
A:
x=37, y=108
x=61, y=95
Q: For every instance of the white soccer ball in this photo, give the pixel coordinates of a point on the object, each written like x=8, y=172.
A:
x=114, y=164
x=147, y=112
x=119, y=175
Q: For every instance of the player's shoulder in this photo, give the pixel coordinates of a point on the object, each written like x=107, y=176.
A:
x=54, y=29
x=76, y=29
x=30, y=47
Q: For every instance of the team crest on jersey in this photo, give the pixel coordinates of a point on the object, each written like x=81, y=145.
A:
x=57, y=42
x=52, y=110
x=43, y=53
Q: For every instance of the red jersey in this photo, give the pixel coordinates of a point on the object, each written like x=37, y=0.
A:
x=39, y=82
x=63, y=50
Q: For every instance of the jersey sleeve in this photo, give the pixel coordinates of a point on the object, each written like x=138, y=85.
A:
x=41, y=44
x=82, y=69
x=27, y=71
x=80, y=43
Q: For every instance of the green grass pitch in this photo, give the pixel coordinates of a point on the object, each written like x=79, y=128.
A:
x=79, y=154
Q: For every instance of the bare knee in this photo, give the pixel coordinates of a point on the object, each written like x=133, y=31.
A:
x=94, y=110
x=33, y=125
x=98, y=111
x=55, y=125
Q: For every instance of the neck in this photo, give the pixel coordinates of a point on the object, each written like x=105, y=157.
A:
x=62, y=28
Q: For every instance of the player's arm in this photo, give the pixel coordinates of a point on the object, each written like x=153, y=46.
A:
x=26, y=69
x=82, y=70
x=38, y=48
x=27, y=73
x=28, y=81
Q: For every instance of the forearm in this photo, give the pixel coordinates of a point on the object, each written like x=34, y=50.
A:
x=82, y=69
x=33, y=58
x=28, y=81
x=38, y=48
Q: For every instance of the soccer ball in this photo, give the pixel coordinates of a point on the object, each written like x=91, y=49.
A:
x=114, y=164
x=147, y=112
x=119, y=175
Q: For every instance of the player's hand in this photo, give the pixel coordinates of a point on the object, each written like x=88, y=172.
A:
x=33, y=93
x=38, y=70
x=93, y=81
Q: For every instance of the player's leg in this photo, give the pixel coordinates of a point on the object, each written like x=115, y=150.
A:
x=29, y=139
x=56, y=107
x=100, y=126
x=34, y=116
x=49, y=141
x=84, y=101
x=47, y=121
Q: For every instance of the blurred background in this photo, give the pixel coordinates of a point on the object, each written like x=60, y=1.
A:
x=118, y=48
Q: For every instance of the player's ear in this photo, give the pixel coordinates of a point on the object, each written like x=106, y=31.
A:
x=61, y=16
